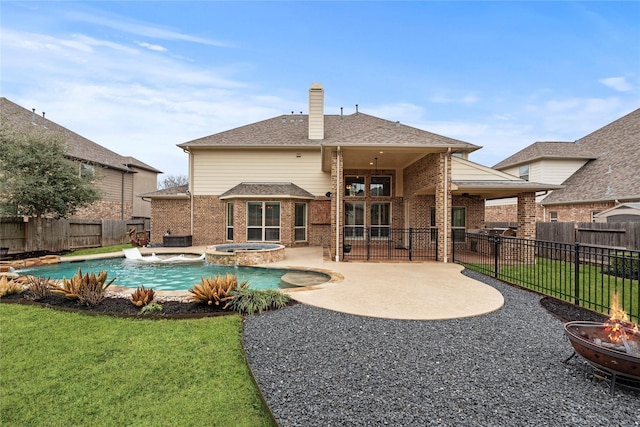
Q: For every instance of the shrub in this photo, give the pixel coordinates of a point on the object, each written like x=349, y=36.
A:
x=10, y=287
x=152, y=307
x=624, y=264
x=142, y=296
x=39, y=287
x=88, y=289
x=214, y=290
x=249, y=301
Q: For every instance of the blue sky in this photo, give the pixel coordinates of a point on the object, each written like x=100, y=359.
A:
x=140, y=77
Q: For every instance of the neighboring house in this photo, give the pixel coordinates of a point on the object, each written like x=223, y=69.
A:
x=597, y=172
x=121, y=179
x=625, y=212
x=327, y=180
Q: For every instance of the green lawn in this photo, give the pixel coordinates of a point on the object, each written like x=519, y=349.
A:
x=556, y=278
x=101, y=250
x=66, y=369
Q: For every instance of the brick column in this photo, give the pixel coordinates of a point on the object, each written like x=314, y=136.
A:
x=527, y=215
x=335, y=173
x=526, y=227
x=440, y=213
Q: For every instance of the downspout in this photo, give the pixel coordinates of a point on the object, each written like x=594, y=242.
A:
x=338, y=174
x=446, y=205
x=190, y=193
x=122, y=197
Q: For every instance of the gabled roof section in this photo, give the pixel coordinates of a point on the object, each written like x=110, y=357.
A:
x=357, y=129
x=473, y=178
x=77, y=146
x=613, y=175
x=248, y=190
x=547, y=150
x=177, y=192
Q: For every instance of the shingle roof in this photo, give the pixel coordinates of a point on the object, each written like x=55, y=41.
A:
x=268, y=189
x=547, y=150
x=179, y=191
x=613, y=175
x=348, y=130
x=77, y=146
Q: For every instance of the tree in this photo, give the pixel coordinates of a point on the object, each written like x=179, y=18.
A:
x=37, y=180
x=170, y=181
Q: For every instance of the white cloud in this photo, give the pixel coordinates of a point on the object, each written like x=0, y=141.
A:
x=468, y=99
x=154, y=47
x=140, y=28
x=617, y=83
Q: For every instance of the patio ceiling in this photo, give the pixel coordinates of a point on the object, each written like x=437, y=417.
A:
x=388, y=157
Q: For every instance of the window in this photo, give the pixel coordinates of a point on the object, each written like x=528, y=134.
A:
x=458, y=223
x=354, y=186
x=553, y=216
x=230, y=221
x=87, y=171
x=263, y=221
x=300, y=222
x=353, y=219
x=594, y=214
x=380, y=220
x=523, y=172
x=380, y=186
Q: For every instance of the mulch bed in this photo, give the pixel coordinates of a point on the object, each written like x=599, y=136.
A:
x=569, y=313
x=122, y=307
x=183, y=310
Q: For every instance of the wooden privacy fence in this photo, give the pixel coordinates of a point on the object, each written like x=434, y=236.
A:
x=20, y=235
x=613, y=234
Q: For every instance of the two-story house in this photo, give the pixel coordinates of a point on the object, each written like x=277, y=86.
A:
x=121, y=179
x=597, y=172
x=328, y=180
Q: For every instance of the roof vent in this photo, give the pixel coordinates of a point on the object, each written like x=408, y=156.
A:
x=33, y=116
x=398, y=123
x=43, y=122
x=609, y=191
x=341, y=116
x=356, y=109
x=610, y=169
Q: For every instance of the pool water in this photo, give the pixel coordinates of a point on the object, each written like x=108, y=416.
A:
x=179, y=276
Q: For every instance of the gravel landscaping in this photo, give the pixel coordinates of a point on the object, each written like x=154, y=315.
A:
x=321, y=368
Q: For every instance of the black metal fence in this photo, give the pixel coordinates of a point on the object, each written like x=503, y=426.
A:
x=383, y=243
x=585, y=275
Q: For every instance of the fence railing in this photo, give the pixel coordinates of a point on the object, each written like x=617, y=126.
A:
x=585, y=275
x=383, y=243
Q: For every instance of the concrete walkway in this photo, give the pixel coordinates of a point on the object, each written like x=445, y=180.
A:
x=411, y=290
x=400, y=290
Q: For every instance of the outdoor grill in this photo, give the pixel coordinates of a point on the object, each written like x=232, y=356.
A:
x=611, y=348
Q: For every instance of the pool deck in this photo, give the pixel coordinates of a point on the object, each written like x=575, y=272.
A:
x=395, y=290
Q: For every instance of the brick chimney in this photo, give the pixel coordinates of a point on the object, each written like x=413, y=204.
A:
x=316, y=111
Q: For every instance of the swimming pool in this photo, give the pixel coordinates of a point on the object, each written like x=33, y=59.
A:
x=166, y=276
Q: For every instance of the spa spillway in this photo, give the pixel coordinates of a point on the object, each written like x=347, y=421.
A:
x=244, y=253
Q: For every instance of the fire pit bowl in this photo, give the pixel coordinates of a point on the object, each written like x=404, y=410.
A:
x=591, y=340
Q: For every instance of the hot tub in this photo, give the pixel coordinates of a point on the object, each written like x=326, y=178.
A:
x=244, y=253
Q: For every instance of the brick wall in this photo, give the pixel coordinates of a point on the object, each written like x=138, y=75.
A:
x=527, y=215
x=171, y=215
x=566, y=213
x=105, y=210
x=576, y=212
